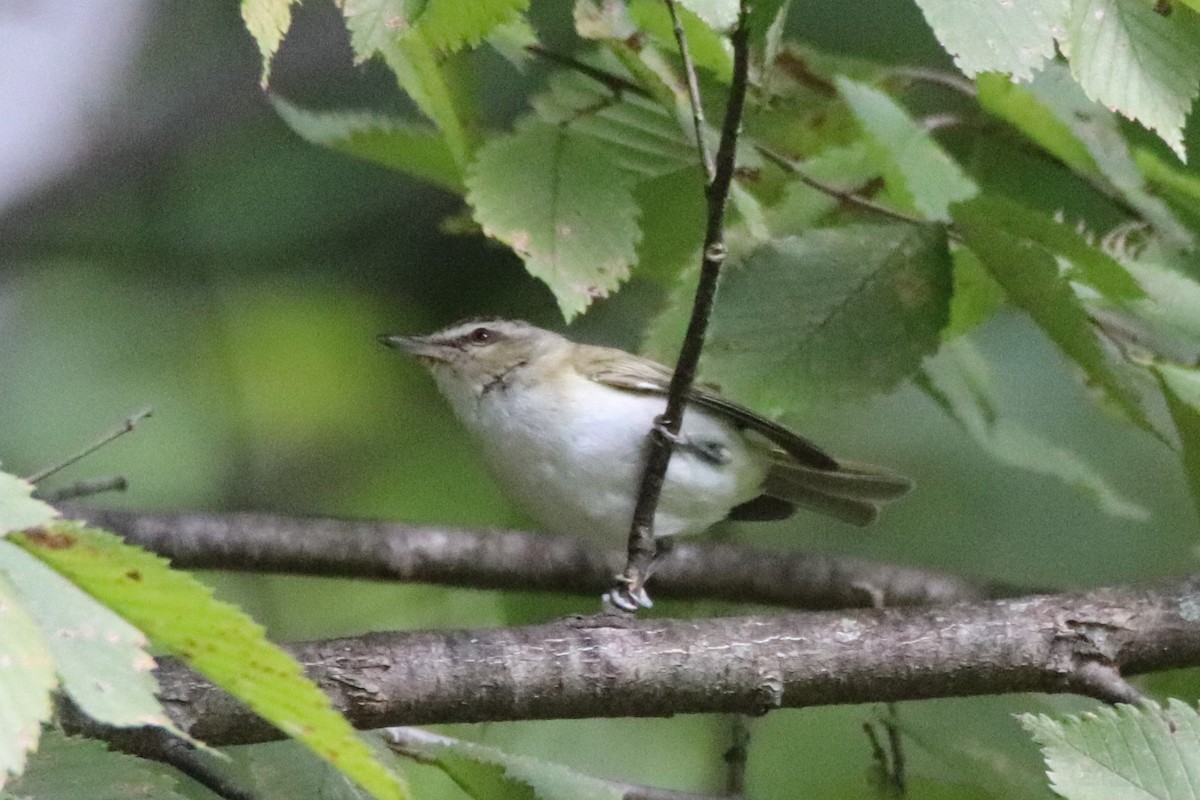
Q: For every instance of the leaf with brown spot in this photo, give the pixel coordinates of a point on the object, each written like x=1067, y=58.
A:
x=180, y=614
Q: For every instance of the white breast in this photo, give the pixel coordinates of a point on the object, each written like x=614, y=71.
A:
x=571, y=455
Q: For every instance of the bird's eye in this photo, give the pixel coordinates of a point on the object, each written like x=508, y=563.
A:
x=481, y=336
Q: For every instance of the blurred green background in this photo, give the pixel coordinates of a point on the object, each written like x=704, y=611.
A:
x=196, y=256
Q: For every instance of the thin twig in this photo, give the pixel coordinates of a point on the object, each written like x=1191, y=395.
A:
x=120, y=430
x=847, y=197
x=615, y=83
x=513, y=560
x=693, y=85
x=85, y=488
x=737, y=756
x=641, y=550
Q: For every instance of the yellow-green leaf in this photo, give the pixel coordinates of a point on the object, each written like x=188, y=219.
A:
x=180, y=614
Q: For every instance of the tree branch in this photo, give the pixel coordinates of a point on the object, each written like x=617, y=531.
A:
x=641, y=549
x=614, y=666
x=524, y=561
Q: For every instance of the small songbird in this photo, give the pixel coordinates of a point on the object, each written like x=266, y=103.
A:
x=564, y=432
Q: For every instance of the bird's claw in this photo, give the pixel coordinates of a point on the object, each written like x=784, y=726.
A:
x=627, y=597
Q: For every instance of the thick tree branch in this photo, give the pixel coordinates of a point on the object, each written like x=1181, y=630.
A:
x=615, y=666
x=641, y=548
x=523, y=561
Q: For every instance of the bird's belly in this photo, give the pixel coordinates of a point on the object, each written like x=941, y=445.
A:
x=578, y=472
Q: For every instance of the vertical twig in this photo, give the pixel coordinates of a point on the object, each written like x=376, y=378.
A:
x=632, y=593
x=693, y=86
x=737, y=756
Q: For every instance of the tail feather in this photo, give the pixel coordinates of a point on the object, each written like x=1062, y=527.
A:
x=851, y=493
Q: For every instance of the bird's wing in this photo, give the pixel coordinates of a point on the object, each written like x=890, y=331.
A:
x=621, y=370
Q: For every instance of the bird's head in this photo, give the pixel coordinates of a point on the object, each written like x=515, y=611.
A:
x=469, y=356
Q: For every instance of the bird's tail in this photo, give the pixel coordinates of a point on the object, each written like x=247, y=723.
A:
x=852, y=493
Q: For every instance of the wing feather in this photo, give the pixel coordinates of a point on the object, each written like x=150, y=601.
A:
x=624, y=371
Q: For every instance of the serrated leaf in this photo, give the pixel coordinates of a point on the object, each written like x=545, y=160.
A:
x=832, y=315
x=637, y=133
x=486, y=772
x=75, y=768
x=414, y=149
x=1090, y=265
x=26, y=680
x=960, y=381
x=1135, y=61
x=180, y=614
x=986, y=36
x=913, y=164
x=18, y=508
x=1032, y=282
x=555, y=198
x=1097, y=129
x=268, y=22
x=720, y=15
x=512, y=41
x=453, y=24
x=386, y=27
x=1181, y=388
x=1122, y=752
x=375, y=24
x=100, y=658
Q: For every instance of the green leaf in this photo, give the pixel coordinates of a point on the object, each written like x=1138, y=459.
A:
x=101, y=659
x=831, y=315
x=268, y=22
x=421, y=77
x=1140, y=63
x=18, y=508
x=179, y=613
x=977, y=296
x=1181, y=186
x=1168, y=318
x=1090, y=265
x=1021, y=108
x=1181, y=388
x=672, y=210
x=916, y=169
x=1097, y=129
x=802, y=207
x=959, y=380
x=1031, y=280
x=386, y=27
x=554, y=197
x=26, y=680
x=485, y=772
x=637, y=133
x=72, y=768
x=1122, y=752
x=454, y=24
x=720, y=15
x=414, y=149
x=709, y=49
x=985, y=36
x=375, y=24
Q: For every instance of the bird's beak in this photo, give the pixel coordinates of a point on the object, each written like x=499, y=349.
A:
x=419, y=347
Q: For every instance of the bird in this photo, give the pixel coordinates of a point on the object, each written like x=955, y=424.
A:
x=563, y=428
